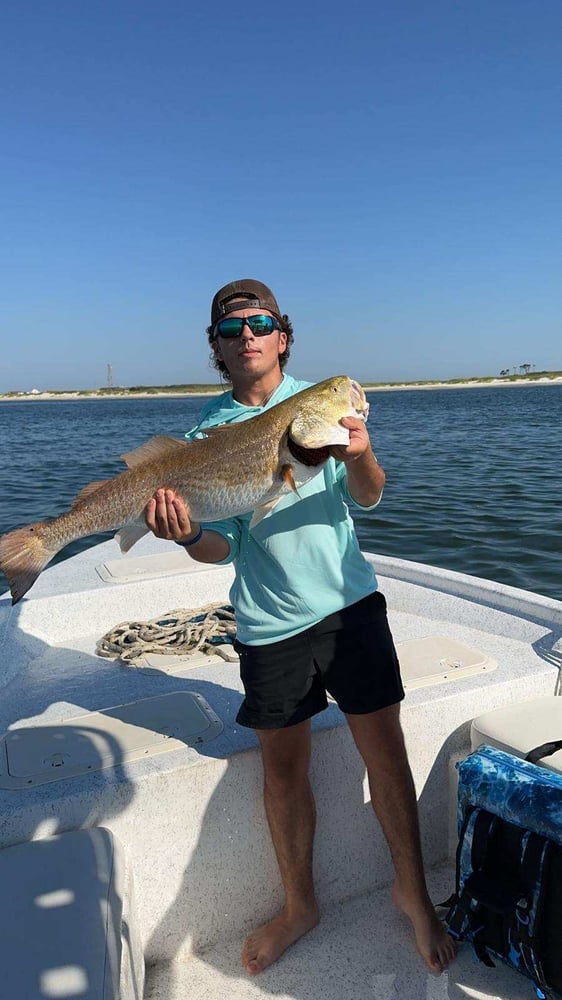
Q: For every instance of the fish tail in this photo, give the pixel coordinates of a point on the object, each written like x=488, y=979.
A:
x=23, y=556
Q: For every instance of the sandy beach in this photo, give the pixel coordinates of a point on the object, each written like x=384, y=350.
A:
x=369, y=387
x=69, y=396
x=472, y=384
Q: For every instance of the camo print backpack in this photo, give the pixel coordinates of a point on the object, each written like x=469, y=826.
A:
x=508, y=896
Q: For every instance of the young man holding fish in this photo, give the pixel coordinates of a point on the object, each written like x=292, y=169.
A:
x=308, y=610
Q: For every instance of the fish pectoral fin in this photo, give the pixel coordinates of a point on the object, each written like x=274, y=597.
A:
x=262, y=511
x=157, y=447
x=317, y=433
x=130, y=533
x=88, y=491
x=287, y=475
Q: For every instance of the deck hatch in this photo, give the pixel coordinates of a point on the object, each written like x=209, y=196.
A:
x=35, y=755
x=435, y=659
x=130, y=569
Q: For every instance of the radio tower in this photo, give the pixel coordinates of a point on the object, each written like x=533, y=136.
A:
x=109, y=376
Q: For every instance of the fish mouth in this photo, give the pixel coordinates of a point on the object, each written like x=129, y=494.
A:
x=359, y=401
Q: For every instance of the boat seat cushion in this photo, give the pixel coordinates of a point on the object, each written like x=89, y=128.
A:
x=67, y=923
x=519, y=728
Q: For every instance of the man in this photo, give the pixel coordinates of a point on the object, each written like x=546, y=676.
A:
x=306, y=604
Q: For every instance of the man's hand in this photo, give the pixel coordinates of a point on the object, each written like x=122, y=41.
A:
x=167, y=517
x=359, y=442
x=365, y=477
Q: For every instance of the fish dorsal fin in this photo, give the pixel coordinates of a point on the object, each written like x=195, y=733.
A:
x=211, y=431
x=88, y=491
x=158, y=447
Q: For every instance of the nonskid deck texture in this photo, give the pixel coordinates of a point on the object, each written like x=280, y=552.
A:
x=361, y=950
x=192, y=819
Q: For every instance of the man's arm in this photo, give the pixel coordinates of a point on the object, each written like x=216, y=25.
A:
x=365, y=477
x=167, y=517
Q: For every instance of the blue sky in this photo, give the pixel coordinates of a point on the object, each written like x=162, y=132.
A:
x=391, y=169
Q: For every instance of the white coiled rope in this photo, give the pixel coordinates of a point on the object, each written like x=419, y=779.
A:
x=178, y=632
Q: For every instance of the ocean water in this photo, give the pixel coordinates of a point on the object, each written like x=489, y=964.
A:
x=474, y=478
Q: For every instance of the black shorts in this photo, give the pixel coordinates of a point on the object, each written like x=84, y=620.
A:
x=350, y=654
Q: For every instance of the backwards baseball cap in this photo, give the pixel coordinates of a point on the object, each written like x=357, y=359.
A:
x=256, y=294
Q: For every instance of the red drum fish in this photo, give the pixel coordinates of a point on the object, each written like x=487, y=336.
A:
x=235, y=469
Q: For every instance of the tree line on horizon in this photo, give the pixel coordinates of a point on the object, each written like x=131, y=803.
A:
x=522, y=369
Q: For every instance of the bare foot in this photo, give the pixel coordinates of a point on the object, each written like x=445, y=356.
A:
x=268, y=943
x=435, y=946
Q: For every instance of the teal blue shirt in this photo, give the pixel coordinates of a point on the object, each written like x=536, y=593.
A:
x=302, y=562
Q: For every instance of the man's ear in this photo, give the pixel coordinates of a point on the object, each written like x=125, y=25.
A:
x=282, y=342
x=216, y=350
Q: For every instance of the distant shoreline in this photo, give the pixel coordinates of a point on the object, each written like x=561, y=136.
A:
x=472, y=384
x=368, y=387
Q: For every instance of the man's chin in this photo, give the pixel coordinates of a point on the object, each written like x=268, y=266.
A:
x=249, y=364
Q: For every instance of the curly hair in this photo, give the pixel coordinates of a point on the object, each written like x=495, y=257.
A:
x=286, y=327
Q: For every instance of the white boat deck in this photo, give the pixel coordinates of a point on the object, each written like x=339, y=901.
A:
x=192, y=820
x=361, y=950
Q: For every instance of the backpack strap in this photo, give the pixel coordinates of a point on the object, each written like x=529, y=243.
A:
x=535, y=855
x=471, y=853
x=545, y=750
x=482, y=954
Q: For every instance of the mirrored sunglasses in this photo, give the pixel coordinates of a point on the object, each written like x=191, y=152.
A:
x=232, y=326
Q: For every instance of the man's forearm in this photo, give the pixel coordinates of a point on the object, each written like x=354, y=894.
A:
x=365, y=479
x=212, y=547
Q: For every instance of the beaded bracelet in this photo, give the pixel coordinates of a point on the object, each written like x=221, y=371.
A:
x=192, y=541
